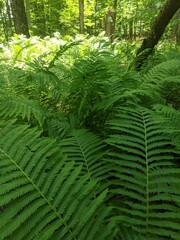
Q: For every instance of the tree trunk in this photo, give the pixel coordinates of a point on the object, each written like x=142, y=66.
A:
x=114, y=23
x=109, y=24
x=81, y=16
x=165, y=15
x=4, y=23
x=28, y=15
x=19, y=17
x=177, y=27
x=45, y=28
x=8, y=9
x=110, y=21
x=95, y=19
x=131, y=29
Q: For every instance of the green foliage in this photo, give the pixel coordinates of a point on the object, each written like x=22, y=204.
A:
x=145, y=178
x=89, y=147
x=172, y=122
x=43, y=196
x=12, y=105
x=164, y=79
x=45, y=17
x=86, y=149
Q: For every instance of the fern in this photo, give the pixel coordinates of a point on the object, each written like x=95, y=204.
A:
x=169, y=88
x=160, y=85
x=86, y=149
x=163, y=80
x=88, y=83
x=58, y=128
x=163, y=70
x=171, y=121
x=126, y=233
x=56, y=188
x=42, y=196
x=145, y=177
x=12, y=106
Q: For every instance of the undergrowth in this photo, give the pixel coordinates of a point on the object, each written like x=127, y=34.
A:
x=89, y=147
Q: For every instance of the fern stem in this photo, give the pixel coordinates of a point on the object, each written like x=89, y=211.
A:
x=89, y=174
x=147, y=170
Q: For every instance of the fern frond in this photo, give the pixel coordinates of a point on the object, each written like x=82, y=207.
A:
x=172, y=122
x=42, y=196
x=86, y=149
x=163, y=70
x=88, y=84
x=126, y=233
x=145, y=177
x=58, y=128
x=12, y=106
x=161, y=84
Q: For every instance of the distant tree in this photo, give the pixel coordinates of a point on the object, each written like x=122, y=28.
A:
x=81, y=16
x=114, y=25
x=110, y=21
x=177, y=27
x=166, y=13
x=28, y=14
x=19, y=17
x=8, y=9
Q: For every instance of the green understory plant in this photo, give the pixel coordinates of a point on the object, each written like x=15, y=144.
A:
x=42, y=195
x=89, y=148
x=145, y=173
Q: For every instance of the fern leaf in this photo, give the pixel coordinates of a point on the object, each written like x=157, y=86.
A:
x=41, y=195
x=172, y=122
x=85, y=149
x=162, y=71
x=145, y=176
x=12, y=106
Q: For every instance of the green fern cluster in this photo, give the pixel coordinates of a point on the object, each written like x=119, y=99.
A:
x=42, y=195
x=145, y=177
x=90, y=150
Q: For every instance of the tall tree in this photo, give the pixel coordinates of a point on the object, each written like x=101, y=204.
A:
x=4, y=21
x=81, y=16
x=177, y=27
x=28, y=14
x=110, y=21
x=19, y=17
x=166, y=13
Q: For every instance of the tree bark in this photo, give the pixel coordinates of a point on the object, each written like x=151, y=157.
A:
x=8, y=9
x=177, y=27
x=28, y=14
x=114, y=25
x=110, y=21
x=81, y=16
x=166, y=13
x=95, y=19
x=19, y=17
x=4, y=23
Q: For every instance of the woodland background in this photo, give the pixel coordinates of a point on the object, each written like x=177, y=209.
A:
x=130, y=20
